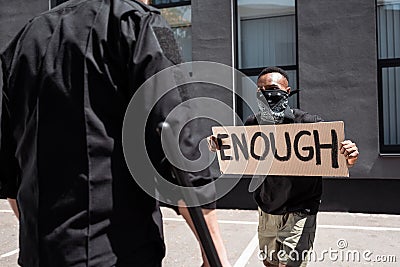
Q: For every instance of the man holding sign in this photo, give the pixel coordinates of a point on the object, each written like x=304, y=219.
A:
x=287, y=204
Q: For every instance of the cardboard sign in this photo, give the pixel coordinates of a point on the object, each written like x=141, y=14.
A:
x=309, y=149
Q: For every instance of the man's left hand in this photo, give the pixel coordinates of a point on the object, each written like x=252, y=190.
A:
x=350, y=151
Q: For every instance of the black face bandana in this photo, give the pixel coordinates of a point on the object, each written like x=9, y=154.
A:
x=272, y=104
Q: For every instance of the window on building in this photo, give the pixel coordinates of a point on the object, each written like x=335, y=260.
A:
x=266, y=36
x=180, y=20
x=388, y=27
x=178, y=13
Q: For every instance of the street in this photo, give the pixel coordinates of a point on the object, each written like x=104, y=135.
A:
x=343, y=239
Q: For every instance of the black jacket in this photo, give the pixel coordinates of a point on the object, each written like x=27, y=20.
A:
x=69, y=75
x=283, y=194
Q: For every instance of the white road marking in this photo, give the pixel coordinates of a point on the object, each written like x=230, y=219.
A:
x=365, y=228
x=349, y=227
x=247, y=252
x=6, y=211
x=173, y=220
x=219, y=221
x=323, y=213
x=238, y=222
x=15, y=251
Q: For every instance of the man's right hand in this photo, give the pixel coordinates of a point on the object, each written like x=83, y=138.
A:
x=213, y=144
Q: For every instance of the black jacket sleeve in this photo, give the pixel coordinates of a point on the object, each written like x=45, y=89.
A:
x=155, y=49
x=8, y=162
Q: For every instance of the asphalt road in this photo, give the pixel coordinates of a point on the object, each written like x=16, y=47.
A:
x=343, y=239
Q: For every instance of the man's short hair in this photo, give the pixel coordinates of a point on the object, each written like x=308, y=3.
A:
x=274, y=69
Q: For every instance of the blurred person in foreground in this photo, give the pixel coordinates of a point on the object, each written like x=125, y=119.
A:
x=69, y=75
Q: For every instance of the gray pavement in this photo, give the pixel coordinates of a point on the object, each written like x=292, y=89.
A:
x=343, y=239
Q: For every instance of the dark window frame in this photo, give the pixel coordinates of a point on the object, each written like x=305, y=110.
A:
x=54, y=3
x=382, y=64
x=181, y=3
x=256, y=71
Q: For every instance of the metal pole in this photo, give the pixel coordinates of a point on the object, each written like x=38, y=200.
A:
x=195, y=212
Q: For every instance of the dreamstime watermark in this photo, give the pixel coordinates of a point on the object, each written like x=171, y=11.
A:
x=341, y=253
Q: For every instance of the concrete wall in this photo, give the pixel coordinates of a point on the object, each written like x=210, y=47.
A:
x=212, y=39
x=337, y=59
x=212, y=35
x=13, y=16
